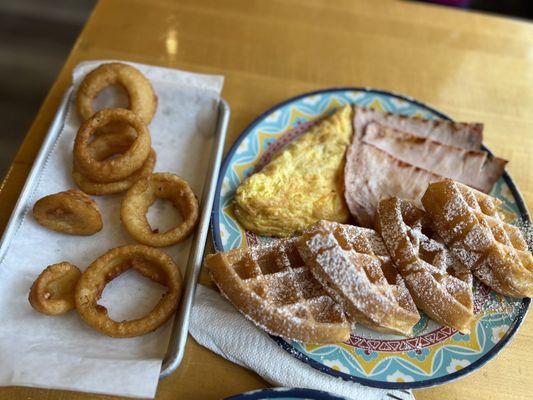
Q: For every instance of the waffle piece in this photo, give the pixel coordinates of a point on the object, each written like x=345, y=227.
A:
x=271, y=286
x=353, y=266
x=441, y=286
x=470, y=224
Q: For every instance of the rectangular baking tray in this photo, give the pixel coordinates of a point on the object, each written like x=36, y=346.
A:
x=180, y=327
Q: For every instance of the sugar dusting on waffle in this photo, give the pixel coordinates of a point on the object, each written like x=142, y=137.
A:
x=497, y=303
x=270, y=285
x=343, y=259
x=472, y=226
x=526, y=228
x=307, y=283
x=440, y=285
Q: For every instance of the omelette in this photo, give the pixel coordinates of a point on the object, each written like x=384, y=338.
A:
x=302, y=183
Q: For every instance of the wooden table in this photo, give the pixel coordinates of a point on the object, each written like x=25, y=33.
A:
x=472, y=67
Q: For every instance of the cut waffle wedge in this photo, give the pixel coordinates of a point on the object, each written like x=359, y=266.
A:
x=441, y=286
x=271, y=286
x=471, y=225
x=353, y=266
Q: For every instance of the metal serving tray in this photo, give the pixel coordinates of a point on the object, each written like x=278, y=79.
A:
x=180, y=326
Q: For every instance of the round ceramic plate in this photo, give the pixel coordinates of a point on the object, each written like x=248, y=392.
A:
x=436, y=354
x=285, y=394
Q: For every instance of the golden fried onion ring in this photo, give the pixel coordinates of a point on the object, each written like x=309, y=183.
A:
x=117, y=168
x=103, y=147
x=154, y=263
x=142, y=99
x=144, y=193
x=52, y=293
x=71, y=212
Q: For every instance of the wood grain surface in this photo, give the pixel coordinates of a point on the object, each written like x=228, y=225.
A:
x=472, y=67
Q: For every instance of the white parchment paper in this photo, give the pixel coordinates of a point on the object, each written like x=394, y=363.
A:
x=63, y=352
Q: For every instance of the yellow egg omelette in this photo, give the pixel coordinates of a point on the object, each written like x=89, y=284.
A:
x=302, y=183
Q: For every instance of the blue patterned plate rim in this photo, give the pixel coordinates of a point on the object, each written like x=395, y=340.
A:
x=524, y=214
x=285, y=393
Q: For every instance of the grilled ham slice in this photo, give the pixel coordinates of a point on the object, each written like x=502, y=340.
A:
x=395, y=155
x=459, y=134
x=372, y=174
x=474, y=168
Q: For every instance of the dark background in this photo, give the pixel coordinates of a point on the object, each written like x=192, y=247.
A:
x=35, y=39
x=37, y=35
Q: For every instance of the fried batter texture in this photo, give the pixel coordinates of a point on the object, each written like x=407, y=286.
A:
x=144, y=193
x=104, y=147
x=71, y=212
x=141, y=95
x=52, y=293
x=153, y=263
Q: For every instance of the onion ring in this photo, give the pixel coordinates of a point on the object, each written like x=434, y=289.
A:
x=142, y=99
x=144, y=193
x=103, y=147
x=52, y=293
x=110, y=265
x=71, y=212
x=117, y=168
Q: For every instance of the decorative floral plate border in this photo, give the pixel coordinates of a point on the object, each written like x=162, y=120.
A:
x=436, y=354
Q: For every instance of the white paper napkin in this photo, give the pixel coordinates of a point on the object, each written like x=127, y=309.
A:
x=217, y=325
x=63, y=352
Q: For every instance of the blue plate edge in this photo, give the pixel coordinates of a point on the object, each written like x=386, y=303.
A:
x=274, y=393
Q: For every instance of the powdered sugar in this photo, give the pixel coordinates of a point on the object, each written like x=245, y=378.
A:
x=341, y=257
x=493, y=249
x=428, y=267
x=306, y=283
x=526, y=228
x=277, y=292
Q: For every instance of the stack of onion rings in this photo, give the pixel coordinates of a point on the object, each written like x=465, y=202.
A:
x=117, y=168
x=144, y=193
x=154, y=263
x=104, y=147
x=120, y=153
x=52, y=293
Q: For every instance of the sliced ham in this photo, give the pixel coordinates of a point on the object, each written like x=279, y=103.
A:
x=474, y=168
x=460, y=134
x=402, y=155
x=371, y=174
